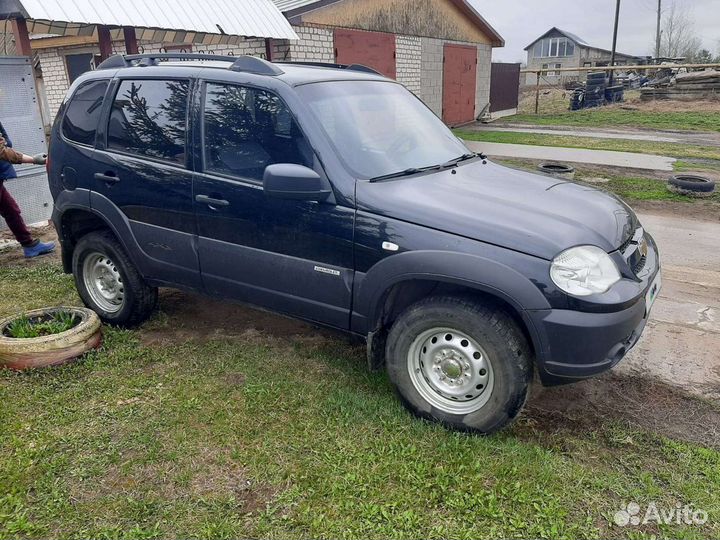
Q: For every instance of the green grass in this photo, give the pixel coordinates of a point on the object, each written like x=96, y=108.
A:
x=618, y=117
x=620, y=145
x=25, y=327
x=629, y=187
x=279, y=438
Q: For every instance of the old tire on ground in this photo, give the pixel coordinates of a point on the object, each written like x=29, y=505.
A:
x=109, y=283
x=689, y=184
x=460, y=363
x=50, y=350
x=558, y=169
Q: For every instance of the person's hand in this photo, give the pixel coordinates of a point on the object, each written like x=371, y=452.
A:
x=39, y=159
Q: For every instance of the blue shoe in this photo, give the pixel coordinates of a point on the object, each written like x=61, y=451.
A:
x=39, y=249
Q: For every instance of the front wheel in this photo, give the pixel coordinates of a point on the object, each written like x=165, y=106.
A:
x=460, y=363
x=109, y=283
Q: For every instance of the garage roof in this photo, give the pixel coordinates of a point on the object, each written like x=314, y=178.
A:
x=256, y=18
x=293, y=8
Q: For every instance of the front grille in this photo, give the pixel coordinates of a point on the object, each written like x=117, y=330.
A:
x=626, y=243
x=640, y=264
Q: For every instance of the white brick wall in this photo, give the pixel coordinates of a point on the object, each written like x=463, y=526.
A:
x=484, y=66
x=315, y=45
x=431, y=77
x=55, y=78
x=408, y=64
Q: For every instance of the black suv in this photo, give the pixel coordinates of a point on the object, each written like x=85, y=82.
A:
x=333, y=194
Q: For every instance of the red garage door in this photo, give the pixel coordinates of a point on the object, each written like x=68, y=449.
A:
x=372, y=49
x=459, y=81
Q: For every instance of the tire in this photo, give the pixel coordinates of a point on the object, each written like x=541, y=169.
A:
x=485, y=344
x=691, y=182
x=52, y=350
x=109, y=283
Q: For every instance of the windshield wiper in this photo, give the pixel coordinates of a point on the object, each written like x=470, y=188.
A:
x=406, y=172
x=457, y=160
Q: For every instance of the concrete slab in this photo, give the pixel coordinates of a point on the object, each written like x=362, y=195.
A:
x=574, y=155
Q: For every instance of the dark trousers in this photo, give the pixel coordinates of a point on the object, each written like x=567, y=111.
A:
x=10, y=212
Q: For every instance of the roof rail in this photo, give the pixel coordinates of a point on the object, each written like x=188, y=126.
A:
x=250, y=64
x=350, y=67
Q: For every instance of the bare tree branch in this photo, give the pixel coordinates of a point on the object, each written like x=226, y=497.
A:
x=679, y=36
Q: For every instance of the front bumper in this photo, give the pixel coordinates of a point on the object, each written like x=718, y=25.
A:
x=575, y=345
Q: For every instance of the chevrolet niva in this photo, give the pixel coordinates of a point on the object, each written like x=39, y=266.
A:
x=333, y=194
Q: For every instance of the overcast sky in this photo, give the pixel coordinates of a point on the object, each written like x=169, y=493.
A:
x=521, y=21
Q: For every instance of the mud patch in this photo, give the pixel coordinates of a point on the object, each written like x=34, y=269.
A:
x=191, y=317
x=210, y=474
x=12, y=255
x=639, y=403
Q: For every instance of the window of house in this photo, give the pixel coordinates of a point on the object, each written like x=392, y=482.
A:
x=247, y=129
x=553, y=47
x=83, y=113
x=149, y=118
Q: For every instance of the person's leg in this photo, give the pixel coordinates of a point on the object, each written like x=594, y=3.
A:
x=10, y=212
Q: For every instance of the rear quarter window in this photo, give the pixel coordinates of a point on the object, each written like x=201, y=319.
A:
x=82, y=113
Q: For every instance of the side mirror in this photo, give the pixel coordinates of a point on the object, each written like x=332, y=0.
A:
x=296, y=182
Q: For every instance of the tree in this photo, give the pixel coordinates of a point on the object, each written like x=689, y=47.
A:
x=679, y=38
x=703, y=56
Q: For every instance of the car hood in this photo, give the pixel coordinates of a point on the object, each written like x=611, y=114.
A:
x=531, y=213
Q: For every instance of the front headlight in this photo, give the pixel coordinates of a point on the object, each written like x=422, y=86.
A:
x=584, y=270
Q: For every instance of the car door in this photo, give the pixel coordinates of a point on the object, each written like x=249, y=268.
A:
x=144, y=171
x=290, y=256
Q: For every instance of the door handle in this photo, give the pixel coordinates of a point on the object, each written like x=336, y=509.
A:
x=212, y=203
x=108, y=177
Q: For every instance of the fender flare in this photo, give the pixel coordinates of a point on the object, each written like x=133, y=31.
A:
x=85, y=201
x=471, y=271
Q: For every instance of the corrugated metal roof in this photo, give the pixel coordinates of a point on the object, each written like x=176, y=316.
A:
x=258, y=18
x=289, y=5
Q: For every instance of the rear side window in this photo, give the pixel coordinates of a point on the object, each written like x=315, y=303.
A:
x=247, y=129
x=149, y=118
x=83, y=113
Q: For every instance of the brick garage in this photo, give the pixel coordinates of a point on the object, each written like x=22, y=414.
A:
x=420, y=31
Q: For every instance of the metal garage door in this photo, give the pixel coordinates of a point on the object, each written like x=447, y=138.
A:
x=372, y=49
x=459, y=83
x=20, y=114
x=504, y=86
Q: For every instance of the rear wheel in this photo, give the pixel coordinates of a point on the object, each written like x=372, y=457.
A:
x=460, y=363
x=109, y=283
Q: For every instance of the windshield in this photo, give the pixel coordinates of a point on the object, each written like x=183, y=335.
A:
x=380, y=128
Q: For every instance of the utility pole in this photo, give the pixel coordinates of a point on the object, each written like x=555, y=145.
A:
x=614, y=47
x=658, y=34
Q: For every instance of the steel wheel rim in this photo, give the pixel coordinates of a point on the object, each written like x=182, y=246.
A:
x=450, y=370
x=103, y=282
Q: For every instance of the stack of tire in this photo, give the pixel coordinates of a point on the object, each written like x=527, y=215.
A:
x=595, y=90
x=577, y=100
x=614, y=94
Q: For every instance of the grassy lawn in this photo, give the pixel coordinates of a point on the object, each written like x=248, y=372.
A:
x=633, y=113
x=632, y=187
x=618, y=117
x=620, y=145
x=261, y=436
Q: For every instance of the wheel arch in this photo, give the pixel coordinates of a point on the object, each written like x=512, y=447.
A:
x=401, y=280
